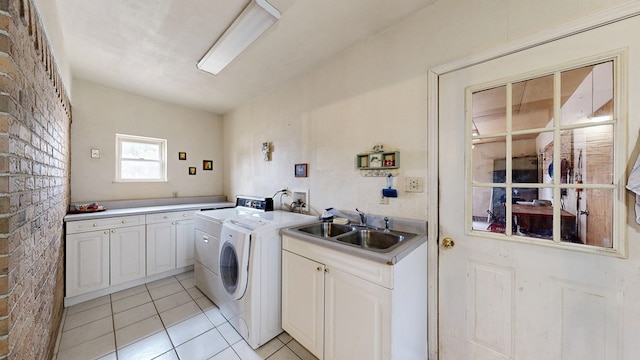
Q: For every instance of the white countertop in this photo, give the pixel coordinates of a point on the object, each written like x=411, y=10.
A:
x=146, y=210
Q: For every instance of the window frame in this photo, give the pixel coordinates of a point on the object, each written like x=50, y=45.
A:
x=619, y=122
x=162, y=143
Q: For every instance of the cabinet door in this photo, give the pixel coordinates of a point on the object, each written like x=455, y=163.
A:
x=185, y=242
x=161, y=247
x=303, y=301
x=357, y=318
x=87, y=263
x=127, y=254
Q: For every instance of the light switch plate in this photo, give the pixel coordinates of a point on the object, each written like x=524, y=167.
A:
x=95, y=153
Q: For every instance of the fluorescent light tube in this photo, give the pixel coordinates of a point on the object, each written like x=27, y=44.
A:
x=252, y=22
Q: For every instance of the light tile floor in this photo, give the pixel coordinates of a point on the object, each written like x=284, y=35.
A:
x=164, y=319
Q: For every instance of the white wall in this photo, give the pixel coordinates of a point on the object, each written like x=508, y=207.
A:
x=100, y=112
x=374, y=92
x=49, y=14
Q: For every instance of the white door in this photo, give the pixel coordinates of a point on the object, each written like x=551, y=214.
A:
x=542, y=292
x=127, y=248
x=303, y=301
x=87, y=262
x=357, y=318
x=161, y=247
x=185, y=242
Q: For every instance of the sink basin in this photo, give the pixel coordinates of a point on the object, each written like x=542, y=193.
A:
x=372, y=239
x=326, y=229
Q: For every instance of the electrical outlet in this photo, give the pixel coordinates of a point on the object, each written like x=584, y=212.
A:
x=414, y=184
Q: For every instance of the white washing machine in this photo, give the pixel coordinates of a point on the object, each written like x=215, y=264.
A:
x=208, y=225
x=250, y=272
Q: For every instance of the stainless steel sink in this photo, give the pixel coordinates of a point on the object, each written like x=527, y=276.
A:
x=326, y=229
x=372, y=239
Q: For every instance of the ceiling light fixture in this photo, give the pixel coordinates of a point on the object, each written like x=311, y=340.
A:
x=253, y=21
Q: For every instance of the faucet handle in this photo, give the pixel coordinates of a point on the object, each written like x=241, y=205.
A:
x=386, y=224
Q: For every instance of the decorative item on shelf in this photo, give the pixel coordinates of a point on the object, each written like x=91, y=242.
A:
x=375, y=160
x=378, y=148
x=300, y=170
x=192, y=170
x=266, y=151
x=207, y=164
x=182, y=156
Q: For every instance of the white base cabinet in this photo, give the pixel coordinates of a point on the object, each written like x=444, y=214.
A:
x=185, y=242
x=161, y=247
x=111, y=254
x=170, y=241
x=105, y=252
x=87, y=260
x=339, y=306
x=127, y=254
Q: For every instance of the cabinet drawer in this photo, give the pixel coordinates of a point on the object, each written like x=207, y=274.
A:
x=103, y=224
x=169, y=216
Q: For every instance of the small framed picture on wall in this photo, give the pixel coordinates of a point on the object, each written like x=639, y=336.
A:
x=192, y=170
x=182, y=156
x=301, y=170
x=207, y=165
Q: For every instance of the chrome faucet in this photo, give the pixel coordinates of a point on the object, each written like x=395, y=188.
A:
x=297, y=204
x=363, y=218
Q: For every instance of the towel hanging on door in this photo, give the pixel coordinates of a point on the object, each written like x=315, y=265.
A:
x=633, y=184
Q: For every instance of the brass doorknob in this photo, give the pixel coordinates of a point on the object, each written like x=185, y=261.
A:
x=447, y=243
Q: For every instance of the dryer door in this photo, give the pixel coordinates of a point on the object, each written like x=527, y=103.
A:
x=234, y=259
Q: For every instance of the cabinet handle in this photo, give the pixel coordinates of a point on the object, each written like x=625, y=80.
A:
x=166, y=217
x=94, y=224
x=113, y=231
x=319, y=268
x=124, y=221
x=326, y=270
x=106, y=231
x=205, y=239
x=184, y=215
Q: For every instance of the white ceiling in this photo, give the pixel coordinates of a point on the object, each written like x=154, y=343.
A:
x=151, y=47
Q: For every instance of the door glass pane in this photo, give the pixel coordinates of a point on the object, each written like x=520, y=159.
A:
x=532, y=103
x=488, y=209
x=588, y=153
x=489, y=111
x=587, y=94
x=588, y=223
x=488, y=156
x=533, y=218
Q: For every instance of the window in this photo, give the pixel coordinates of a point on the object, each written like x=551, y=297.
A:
x=543, y=158
x=140, y=159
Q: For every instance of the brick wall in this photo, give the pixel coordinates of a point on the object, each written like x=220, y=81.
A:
x=34, y=185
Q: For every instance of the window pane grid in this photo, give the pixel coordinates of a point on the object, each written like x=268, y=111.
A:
x=140, y=159
x=574, y=164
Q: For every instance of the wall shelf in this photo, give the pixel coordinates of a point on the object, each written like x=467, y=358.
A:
x=378, y=163
x=378, y=160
